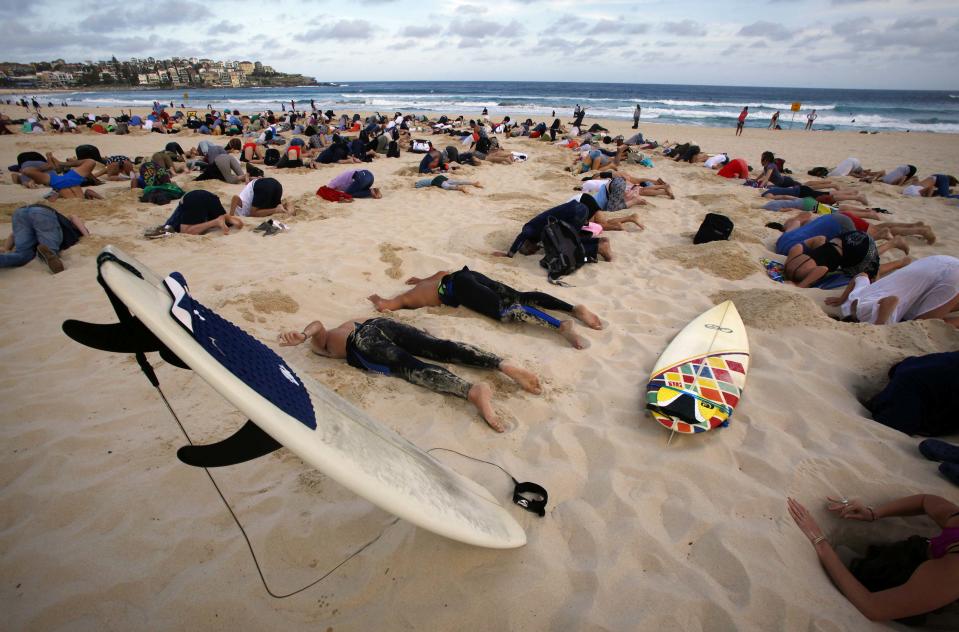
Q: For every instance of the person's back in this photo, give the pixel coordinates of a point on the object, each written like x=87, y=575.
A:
x=828, y=226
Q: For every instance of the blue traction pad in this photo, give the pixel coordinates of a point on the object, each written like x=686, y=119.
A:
x=241, y=354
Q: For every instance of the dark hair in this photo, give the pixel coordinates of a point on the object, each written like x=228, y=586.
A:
x=912, y=170
x=767, y=156
x=607, y=139
x=952, y=180
x=234, y=143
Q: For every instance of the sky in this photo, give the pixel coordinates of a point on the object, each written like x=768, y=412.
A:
x=892, y=44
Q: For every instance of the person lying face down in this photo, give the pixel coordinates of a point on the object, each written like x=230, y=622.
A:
x=925, y=289
x=198, y=212
x=576, y=213
x=387, y=346
x=935, y=185
x=491, y=298
x=898, y=581
x=39, y=231
x=830, y=243
x=260, y=198
x=68, y=185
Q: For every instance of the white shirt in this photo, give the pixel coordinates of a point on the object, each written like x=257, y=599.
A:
x=246, y=199
x=718, y=159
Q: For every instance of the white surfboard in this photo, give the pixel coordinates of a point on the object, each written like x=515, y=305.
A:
x=699, y=378
x=344, y=442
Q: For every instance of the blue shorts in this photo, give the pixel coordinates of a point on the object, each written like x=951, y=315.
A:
x=68, y=180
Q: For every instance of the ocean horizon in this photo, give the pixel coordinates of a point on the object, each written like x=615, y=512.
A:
x=703, y=105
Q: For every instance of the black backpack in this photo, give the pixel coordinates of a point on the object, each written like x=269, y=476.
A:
x=271, y=157
x=564, y=251
x=393, y=151
x=715, y=227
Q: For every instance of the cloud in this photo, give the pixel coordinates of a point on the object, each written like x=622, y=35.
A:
x=420, y=31
x=684, y=27
x=763, y=28
x=607, y=26
x=118, y=18
x=341, y=30
x=480, y=29
x=225, y=27
x=913, y=23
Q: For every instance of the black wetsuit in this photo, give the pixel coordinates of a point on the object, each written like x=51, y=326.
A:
x=387, y=346
x=498, y=301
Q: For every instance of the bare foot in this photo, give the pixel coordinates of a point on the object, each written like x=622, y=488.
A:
x=566, y=330
x=587, y=317
x=379, y=303
x=604, y=249
x=526, y=379
x=926, y=232
x=413, y=280
x=376, y=193
x=901, y=244
x=477, y=185
x=481, y=396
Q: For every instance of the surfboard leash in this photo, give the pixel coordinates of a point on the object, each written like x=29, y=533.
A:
x=246, y=537
x=137, y=340
x=529, y=496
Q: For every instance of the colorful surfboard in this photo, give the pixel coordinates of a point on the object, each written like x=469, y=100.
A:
x=698, y=380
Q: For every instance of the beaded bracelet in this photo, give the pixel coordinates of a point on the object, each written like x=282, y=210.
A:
x=821, y=538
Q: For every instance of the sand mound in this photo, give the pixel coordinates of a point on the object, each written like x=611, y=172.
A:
x=721, y=258
x=775, y=308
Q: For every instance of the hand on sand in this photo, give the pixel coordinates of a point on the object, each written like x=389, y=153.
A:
x=849, y=509
x=806, y=523
x=500, y=253
x=291, y=338
x=834, y=301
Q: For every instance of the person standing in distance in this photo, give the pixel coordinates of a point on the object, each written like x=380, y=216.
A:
x=742, y=120
x=636, y=114
x=809, y=119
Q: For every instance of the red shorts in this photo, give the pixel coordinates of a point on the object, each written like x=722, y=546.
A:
x=858, y=222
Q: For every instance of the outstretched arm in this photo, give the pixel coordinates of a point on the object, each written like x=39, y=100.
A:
x=839, y=300
x=930, y=587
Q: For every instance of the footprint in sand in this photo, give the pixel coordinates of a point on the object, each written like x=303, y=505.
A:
x=514, y=197
x=388, y=255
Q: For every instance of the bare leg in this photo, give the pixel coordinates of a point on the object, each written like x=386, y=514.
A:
x=423, y=294
x=604, y=249
x=892, y=266
x=944, y=310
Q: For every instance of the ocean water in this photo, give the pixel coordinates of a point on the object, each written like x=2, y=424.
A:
x=711, y=106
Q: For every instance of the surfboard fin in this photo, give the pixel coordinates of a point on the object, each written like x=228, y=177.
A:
x=246, y=444
x=120, y=338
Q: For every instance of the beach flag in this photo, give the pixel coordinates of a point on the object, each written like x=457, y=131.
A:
x=795, y=108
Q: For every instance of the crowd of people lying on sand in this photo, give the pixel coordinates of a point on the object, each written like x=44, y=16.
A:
x=832, y=239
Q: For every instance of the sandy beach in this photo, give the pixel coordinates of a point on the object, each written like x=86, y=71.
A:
x=102, y=528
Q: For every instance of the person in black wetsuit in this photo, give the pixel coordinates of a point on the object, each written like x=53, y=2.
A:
x=383, y=345
x=491, y=298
